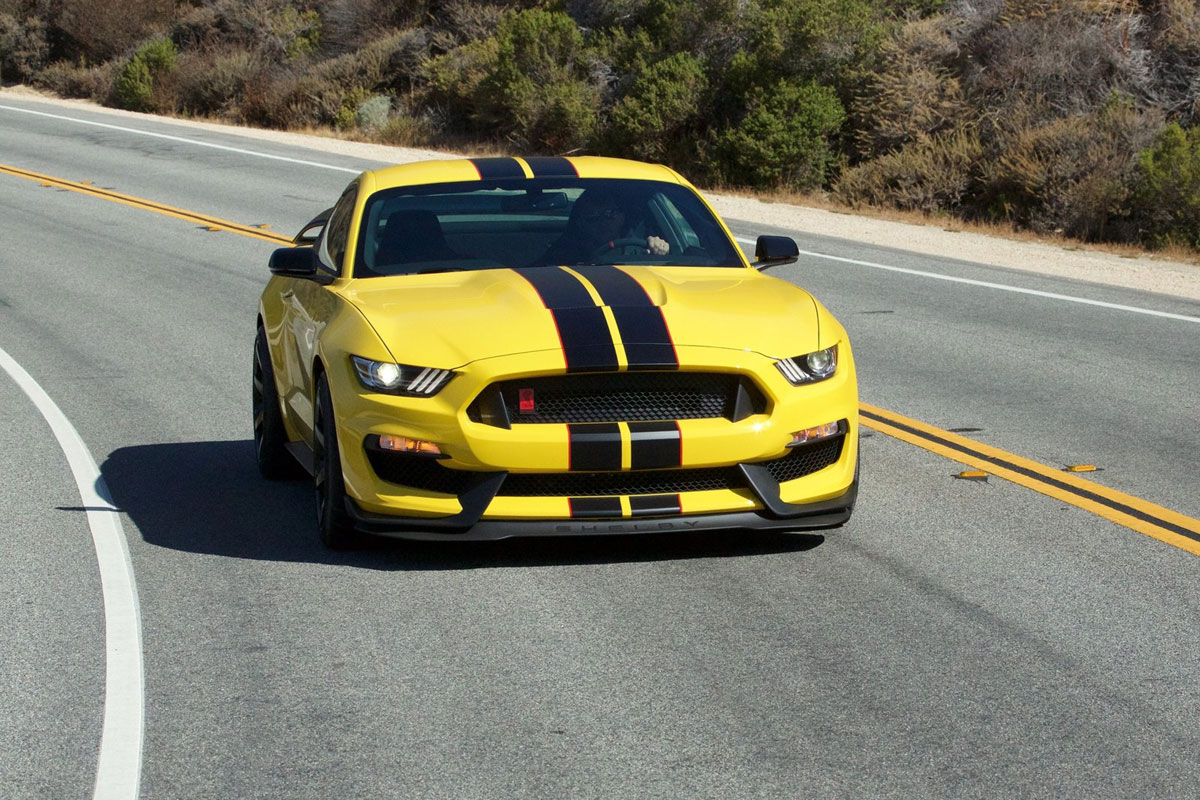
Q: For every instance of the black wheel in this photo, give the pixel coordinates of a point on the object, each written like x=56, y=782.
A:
x=333, y=522
x=270, y=437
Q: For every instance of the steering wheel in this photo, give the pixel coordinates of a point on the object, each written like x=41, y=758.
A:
x=618, y=245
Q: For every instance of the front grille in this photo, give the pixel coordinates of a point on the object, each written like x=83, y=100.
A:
x=426, y=473
x=622, y=397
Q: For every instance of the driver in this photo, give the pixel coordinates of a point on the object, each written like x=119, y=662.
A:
x=597, y=224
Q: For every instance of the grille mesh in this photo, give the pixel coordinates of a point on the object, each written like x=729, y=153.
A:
x=623, y=397
x=427, y=473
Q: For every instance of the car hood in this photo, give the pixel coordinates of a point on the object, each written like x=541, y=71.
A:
x=453, y=318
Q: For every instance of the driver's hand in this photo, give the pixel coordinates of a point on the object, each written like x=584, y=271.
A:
x=657, y=246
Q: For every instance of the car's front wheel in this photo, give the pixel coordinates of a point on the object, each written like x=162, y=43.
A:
x=270, y=437
x=334, y=524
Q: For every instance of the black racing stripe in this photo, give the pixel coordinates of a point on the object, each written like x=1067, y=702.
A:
x=594, y=507
x=582, y=327
x=655, y=505
x=586, y=340
x=655, y=445
x=551, y=167
x=616, y=286
x=645, y=337
x=643, y=328
x=557, y=287
x=594, y=447
x=492, y=168
x=1057, y=484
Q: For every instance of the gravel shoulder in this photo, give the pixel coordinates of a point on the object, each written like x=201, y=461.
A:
x=1142, y=273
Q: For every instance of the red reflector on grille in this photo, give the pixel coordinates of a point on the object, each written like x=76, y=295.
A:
x=526, y=398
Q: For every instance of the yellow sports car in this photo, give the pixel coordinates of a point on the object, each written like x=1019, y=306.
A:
x=494, y=347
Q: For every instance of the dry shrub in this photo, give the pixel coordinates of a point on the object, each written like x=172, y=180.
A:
x=1174, y=32
x=69, y=80
x=914, y=93
x=1073, y=54
x=470, y=21
x=405, y=130
x=1072, y=175
x=102, y=29
x=932, y=174
x=217, y=83
x=23, y=47
x=275, y=29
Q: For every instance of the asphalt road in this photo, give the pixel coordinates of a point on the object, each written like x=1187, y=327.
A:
x=957, y=639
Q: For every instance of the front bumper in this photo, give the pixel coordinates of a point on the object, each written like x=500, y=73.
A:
x=832, y=513
x=526, y=480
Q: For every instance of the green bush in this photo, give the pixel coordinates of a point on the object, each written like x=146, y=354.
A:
x=657, y=118
x=1167, y=197
x=538, y=92
x=784, y=140
x=133, y=88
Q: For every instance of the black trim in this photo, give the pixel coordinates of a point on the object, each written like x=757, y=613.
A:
x=496, y=168
x=595, y=447
x=655, y=505
x=831, y=513
x=1057, y=484
x=594, y=507
x=551, y=167
x=643, y=329
x=655, y=445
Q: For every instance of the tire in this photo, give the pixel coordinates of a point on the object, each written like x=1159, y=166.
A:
x=275, y=463
x=333, y=523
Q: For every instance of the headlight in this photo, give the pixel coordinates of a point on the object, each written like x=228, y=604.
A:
x=384, y=376
x=810, y=368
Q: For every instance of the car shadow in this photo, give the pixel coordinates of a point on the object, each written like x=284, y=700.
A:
x=207, y=497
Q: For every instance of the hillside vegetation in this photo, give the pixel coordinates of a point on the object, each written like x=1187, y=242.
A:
x=1059, y=116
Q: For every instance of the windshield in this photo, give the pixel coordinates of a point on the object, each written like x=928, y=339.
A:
x=538, y=222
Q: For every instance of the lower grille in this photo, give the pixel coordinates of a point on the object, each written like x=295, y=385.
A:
x=426, y=473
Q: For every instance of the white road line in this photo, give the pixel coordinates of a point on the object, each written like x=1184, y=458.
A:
x=119, y=766
x=196, y=142
x=1003, y=287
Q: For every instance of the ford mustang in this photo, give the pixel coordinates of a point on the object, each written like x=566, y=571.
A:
x=494, y=347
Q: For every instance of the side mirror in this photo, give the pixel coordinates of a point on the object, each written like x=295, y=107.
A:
x=312, y=230
x=293, y=262
x=772, y=251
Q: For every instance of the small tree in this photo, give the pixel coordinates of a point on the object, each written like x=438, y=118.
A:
x=1167, y=199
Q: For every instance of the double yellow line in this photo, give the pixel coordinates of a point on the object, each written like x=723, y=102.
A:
x=203, y=220
x=1132, y=512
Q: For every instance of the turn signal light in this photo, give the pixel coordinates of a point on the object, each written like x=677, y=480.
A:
x=402, y=444
x=813, y=434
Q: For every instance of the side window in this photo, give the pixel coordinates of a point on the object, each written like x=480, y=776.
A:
x=678, y=222
x=337, y=231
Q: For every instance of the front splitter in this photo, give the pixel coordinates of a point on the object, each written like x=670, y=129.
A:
x=832, y=513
